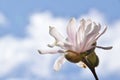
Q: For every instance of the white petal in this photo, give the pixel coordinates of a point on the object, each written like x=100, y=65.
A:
x=71, y=30
x=88, y=29
x=81, y=64
x=101, y=33
x=89, y=42
x=59, y=43
x=81, y=35
x=52, y=45
x=88, y=26
x=81, y=30
x=96, y=29
x=91, y=37
x=58, y=63
x=53, y=32
x=50, y=51
x=66, y=43
x=78, y=42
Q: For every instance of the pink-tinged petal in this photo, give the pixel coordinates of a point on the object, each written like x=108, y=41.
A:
x=93, y=38
x=88, y=21
x=71, y=30
x=99, y=25
x=81, y=28
x=89, y=42
x=64, y=45
x=68, y=45
x=81, y=35
x=58, y=37
x=78, y=43
x=98, y=35
x=51, y=51
x=60, y=44
x=58, y=63
x=54, y=33
x=80, y=32
x=96, y=29
x=101, y=33
x=90, y=38
x=88, y=29
x=88, y=26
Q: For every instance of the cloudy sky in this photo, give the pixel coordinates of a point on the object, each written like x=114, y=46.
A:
x=24, y=28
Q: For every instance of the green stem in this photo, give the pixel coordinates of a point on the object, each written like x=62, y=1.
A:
x=92, y=69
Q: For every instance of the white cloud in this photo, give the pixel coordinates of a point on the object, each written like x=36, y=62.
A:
x=110, y=60
x=95, y=16
x=16, y=51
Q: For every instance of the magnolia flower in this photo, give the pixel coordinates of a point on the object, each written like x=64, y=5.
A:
x=78, y=47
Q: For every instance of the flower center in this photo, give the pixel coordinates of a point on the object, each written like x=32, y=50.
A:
x=74, y=57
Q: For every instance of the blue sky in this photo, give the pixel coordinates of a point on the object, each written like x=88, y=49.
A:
x=18, y=11
x=20, y=34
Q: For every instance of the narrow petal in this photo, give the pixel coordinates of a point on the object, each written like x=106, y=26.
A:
x=68, y=45
x=101, y=33
x=95, y=29
x=88, y=26
x=71, y=30
x=58, y=63
x=64, y=45
x=79, y=42
x=105, y=48
x=89, y=41
x=59, y=39
x=88, y=29
x=94, y=39
x=54, y=33
x=52, y=45
x=50, y=51
x=81, y=29
x=91, y=37
x=81, y=35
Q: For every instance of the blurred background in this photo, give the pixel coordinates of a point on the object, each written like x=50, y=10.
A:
x=24, y=28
